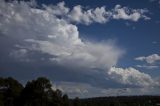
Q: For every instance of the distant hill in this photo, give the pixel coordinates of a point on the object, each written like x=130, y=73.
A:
x=122, y=101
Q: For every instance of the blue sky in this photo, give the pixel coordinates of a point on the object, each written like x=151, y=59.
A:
x=86, y=48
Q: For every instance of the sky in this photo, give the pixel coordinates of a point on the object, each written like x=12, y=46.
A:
x=87, y=48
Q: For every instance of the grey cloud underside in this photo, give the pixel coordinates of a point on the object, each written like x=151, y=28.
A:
x=45, y=42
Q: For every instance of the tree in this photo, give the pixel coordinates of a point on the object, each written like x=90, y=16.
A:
x=10, y=90
x=36, y=92
x=65, y=100
x=76, y=102
x=57, y=98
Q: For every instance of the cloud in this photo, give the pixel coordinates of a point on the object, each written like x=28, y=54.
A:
x=155, y=42
x=83, y=15
x=158, y=1
x=129, y=14
x=60, y=9
x=83, y=90
x=20, y=54
x=131, y=76
x=41, y=31
x=99, y=15
x=148, y=66
x=84, y=55
x=149, y=59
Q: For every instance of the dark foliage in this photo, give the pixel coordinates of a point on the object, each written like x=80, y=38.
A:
x=36, y=93
x=10, y=90
x=39, y=93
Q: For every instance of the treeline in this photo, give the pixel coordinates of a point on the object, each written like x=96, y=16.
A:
x=35, y=93
x=122, y=101
x=39, y=92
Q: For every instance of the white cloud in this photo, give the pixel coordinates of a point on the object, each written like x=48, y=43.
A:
x=149, y=59
x=131, y=76
x=129, y=14
x=148, y=66
x=59, y=9
x=86, y=54
x=39, y=30
x=98, y=14
x=101, y=15
x=80, y=14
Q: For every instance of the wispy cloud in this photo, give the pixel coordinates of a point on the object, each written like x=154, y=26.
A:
x=148, y=66
x=149, y=59
x=157, y=1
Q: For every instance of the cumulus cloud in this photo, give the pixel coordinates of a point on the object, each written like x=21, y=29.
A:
x=129, y=14
x=60, y=9
x=99, y=15
x=149, y=59
x=51, y=31
x=83, y=15
x=41, y=30
x=131, y=76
